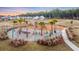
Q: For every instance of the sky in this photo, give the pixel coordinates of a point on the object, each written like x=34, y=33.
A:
x=12, y=11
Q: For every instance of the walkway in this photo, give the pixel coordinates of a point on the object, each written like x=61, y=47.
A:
x=68, y=42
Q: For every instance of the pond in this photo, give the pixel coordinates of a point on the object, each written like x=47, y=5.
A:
x=33, y=35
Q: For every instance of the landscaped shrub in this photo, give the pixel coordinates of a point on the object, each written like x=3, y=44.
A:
x=51, y=42
x=3, y=36
x=70, y=36
x=17, y=43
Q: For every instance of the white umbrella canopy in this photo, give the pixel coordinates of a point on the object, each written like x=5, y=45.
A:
x=36, y=17
x=29, y=17
x=42, y=17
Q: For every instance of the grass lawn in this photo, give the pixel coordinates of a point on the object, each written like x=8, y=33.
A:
x=76, y=38
x=32, y=46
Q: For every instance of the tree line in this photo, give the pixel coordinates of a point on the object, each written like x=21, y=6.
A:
x=57, y=13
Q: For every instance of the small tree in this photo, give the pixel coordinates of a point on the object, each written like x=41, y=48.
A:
x=35, y=26
x=42, y=24
x=52, y=22
x=14, y=22
x=71, y=22
x=26, y=28
x=20, y=21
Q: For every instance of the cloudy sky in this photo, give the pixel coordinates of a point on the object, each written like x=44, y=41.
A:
x=19, y=10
